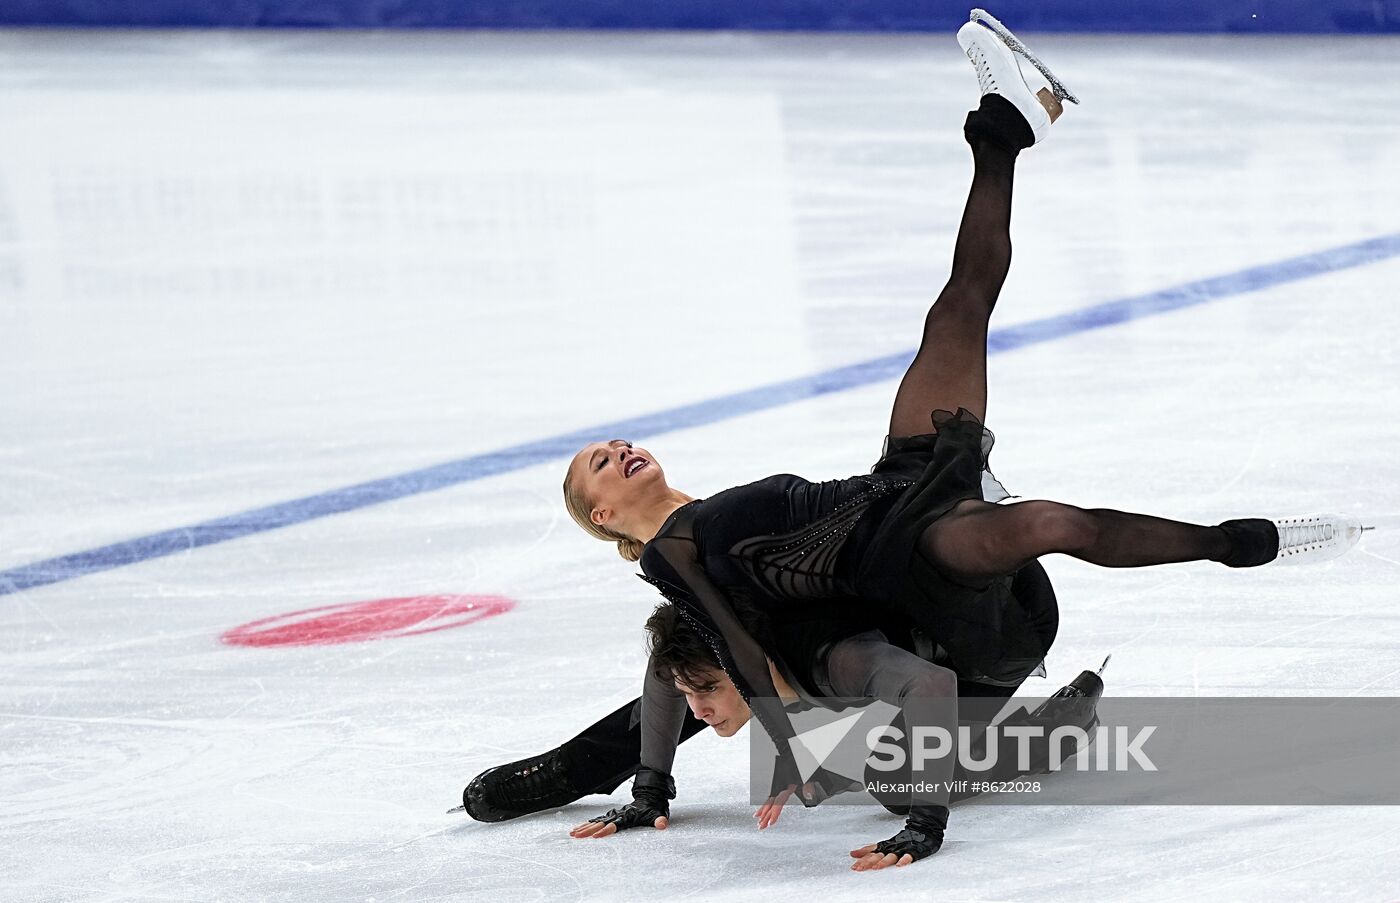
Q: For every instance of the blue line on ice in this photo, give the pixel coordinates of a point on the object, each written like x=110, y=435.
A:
x=516, y=457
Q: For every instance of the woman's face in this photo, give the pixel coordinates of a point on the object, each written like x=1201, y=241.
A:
x=615, y=476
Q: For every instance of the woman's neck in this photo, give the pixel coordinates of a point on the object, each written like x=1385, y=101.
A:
x=649, y=519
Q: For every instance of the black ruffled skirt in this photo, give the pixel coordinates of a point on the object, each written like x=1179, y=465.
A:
x=997, y=633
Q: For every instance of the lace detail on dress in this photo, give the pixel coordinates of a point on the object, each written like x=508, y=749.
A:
x=716, y=644
x=686, y=605
x=674, y=594
x=802, y=564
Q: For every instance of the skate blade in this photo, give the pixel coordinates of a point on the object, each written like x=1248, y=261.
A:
x=1106, y=660
x=1014, y=43
x=458, y=809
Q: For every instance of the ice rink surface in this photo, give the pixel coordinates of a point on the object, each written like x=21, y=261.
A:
x=242, y=269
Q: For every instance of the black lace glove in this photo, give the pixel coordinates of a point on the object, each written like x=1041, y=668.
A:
x=785, y=774
x=652, y=792
x=922, y=834
x=823, y=785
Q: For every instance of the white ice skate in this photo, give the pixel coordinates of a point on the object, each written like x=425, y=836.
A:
x=1316, y=537
x=993, y=50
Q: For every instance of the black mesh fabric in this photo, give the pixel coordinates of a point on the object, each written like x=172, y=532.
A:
x=672, y=563
x=787, y=548
x=804, y=563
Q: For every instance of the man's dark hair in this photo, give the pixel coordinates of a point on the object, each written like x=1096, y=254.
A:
x=679, y=651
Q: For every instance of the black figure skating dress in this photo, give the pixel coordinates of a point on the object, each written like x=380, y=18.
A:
x=789, y=548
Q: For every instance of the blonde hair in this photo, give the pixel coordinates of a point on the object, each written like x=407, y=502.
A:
x=581, y=510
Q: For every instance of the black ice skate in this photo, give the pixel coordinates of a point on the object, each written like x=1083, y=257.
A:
x=1088, y=686
x=1074, y=705
x=519, y=788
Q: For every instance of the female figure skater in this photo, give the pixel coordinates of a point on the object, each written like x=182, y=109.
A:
x=916, y=535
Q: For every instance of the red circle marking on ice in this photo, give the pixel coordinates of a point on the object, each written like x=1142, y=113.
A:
x=378, y=619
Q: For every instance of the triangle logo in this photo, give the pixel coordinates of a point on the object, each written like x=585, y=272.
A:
x=813, y=747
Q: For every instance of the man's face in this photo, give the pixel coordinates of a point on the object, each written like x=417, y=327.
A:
x=716, y=701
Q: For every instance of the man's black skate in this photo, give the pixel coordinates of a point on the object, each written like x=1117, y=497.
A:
x=520, y=788
x=1073, y=705
x=1079, y=696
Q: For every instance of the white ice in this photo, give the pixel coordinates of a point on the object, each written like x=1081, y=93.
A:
x=237, y=269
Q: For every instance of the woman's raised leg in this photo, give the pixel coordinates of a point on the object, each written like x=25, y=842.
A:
x=950, y=369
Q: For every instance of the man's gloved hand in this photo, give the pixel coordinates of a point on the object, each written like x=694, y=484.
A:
x=652, y=792
x=922, y=836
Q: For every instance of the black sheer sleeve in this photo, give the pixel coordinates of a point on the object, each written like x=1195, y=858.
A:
x=672, y=564
x=663, y=716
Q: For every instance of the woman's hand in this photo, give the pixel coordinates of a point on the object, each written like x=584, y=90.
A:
x=768, y=813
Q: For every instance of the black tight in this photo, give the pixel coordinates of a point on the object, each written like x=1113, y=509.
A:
x=978, y=541
x=950, y=369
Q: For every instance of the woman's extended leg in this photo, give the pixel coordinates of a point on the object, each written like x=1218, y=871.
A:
x=978, y=541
